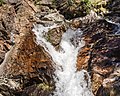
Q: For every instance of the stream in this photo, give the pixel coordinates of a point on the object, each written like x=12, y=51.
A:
x=68, y=81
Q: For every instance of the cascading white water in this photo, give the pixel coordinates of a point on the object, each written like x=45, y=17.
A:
x=69, y=81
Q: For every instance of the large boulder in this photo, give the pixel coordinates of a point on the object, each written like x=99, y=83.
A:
x=26, y=63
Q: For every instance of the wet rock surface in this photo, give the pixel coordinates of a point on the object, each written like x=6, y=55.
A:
x=101, y=53
x=29, y=70
x=114, y=8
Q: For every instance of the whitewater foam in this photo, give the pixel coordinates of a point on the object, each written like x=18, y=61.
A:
x=69, y=81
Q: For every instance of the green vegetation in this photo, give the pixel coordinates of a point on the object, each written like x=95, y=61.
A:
x=77, y=8
x=44, y=86
x=87, y=2
x=99, y=6
x=1, y=2
x=73, y=8
x=87, y=5
x=47, y=36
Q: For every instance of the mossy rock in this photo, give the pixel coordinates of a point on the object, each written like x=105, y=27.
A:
x=54, y=35
x=41, y=89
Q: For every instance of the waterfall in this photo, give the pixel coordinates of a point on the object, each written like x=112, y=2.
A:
x=69, y=81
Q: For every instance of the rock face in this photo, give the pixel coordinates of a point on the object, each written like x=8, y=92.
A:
x=27, y=70
x=114, y=13
x=26, y=64
x=29, y=64
x=100, y=56
x=26, y=57
x=54, y=35
x=72, y=9
x=6, y=27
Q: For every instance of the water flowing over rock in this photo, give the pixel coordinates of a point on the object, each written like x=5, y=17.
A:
x=41, y=67
x=66, y=75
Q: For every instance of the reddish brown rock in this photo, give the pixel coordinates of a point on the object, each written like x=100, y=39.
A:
x=83, y=57
x=6, y=27
x=29, y=61
x=103, y=49
x=97, y=81
x=26, y=63
x=30, y=67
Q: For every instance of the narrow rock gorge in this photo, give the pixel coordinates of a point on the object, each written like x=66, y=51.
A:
x=59, y=48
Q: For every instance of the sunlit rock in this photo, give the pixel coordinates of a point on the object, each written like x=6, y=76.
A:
x=103, y=55
x=26, y=64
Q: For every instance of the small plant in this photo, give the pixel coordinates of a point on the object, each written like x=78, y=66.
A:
x=44, y=86
x=99, y=6
x=1, y=2
x=88, y=5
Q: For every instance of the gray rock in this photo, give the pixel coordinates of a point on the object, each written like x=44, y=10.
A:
x=12, y=1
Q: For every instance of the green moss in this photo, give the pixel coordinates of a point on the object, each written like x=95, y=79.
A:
x=44, y=86
x=87, y=5
x=47, y=37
